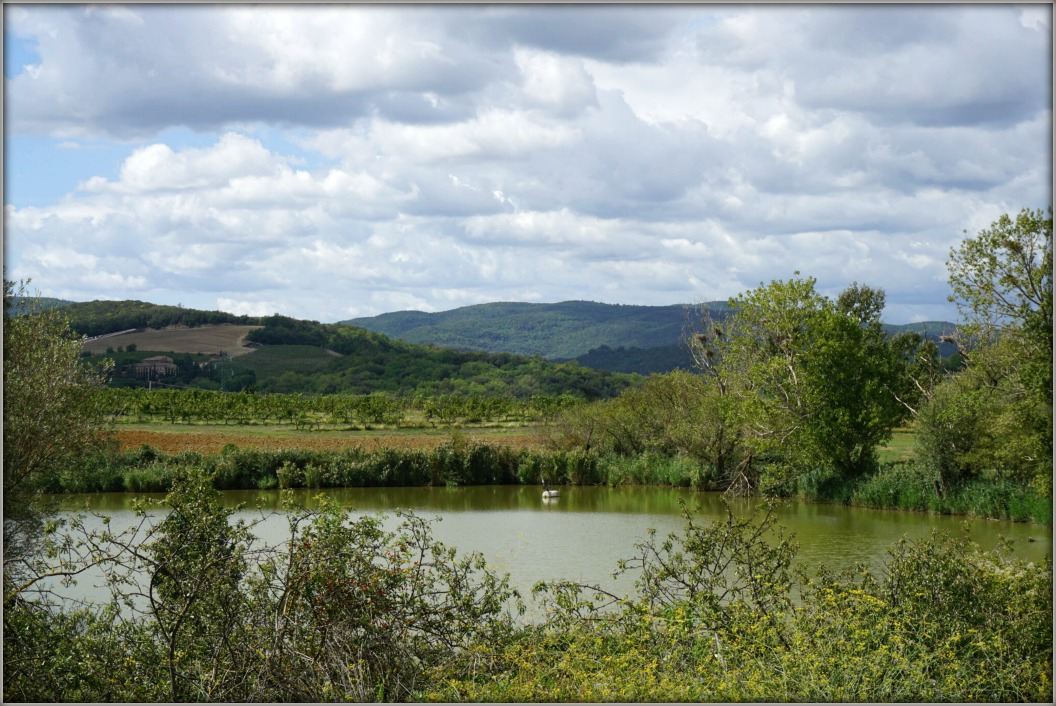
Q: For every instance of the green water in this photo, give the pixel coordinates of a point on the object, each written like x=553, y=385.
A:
x=583, y=534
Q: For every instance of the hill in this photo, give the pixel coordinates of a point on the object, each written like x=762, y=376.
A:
x=100, y=317
x=222, y=338
x=561, y=331
x=368, y=361
x=614, y=337
x=282, y=354
x=20, y=305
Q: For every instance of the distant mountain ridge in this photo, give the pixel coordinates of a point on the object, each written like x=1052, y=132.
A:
x=618, y=338
x=300, y=356
x=20, y=305
x=614, y=337
x=561, y=331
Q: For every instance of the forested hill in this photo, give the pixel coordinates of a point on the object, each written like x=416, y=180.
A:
x=620, y=338
x=98, y=317
x=301, y=356
x=561, y=331
x=20, y=305
x=372, y=362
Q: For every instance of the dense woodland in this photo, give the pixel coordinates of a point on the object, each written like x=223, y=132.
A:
x=100, y=317
x=311, y=358
x=564, y=330
x=790, y=395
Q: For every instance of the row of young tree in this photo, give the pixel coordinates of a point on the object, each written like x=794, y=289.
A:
x=798, y=390
x=189, y=406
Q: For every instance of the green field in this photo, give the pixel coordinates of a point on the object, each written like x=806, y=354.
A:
x=901, y=447
x=272, y=361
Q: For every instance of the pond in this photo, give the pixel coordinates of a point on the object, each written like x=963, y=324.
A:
x=584, y=533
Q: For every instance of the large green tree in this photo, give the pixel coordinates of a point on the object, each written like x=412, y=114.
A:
x=1002, y=285
x=51, y=416
x=819, y=386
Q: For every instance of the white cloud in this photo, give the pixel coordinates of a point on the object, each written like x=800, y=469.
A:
x=352, y=160
x=248, y=308
x=559, y=83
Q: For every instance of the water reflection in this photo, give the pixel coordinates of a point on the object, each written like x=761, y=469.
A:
x=583, y=534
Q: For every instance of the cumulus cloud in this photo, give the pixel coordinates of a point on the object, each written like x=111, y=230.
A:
x=352, y=160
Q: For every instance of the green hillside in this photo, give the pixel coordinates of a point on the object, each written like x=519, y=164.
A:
x=644, y=361
x=367, y=362
x=565, y=330
x=615, y=337
x=405, y=351
x=99, y=317
x=299, y=356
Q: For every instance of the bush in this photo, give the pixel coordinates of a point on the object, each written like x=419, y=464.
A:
x=713, y=621
x=655, y=469
x=948, y=427
x=901, y=485
x=153, y=478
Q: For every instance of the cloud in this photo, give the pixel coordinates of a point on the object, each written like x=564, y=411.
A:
x=130, y=71
x=920, y=65
x=335, y=161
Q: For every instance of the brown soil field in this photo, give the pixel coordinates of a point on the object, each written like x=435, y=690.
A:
x=201, y=339
x=213, y=442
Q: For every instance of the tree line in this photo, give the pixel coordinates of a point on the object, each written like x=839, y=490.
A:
x=100, y=317
x=794, y=392
x=193, y=406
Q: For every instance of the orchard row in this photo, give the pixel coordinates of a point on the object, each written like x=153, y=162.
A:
x=177, y=406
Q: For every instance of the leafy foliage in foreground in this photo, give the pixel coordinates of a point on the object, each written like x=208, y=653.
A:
x=715, y=621
x=344, y=611
x=51, y=414
x=350, y=610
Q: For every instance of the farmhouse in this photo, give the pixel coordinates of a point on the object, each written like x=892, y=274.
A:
x=156, y=366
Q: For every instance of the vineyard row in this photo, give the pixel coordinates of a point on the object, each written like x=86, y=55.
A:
x=309, y=411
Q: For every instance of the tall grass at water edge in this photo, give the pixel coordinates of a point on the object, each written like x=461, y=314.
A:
x=903, y=485
x=907, y=485
x=455, y=463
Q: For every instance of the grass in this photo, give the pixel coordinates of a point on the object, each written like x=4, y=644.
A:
x=901, y=447
x=272, y=361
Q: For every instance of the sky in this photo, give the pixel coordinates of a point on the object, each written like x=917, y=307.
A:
x=336, y=161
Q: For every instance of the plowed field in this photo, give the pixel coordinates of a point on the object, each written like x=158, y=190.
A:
x=200, y=339
x=213, y=442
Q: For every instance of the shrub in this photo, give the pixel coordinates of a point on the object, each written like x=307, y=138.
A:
x=153, y=478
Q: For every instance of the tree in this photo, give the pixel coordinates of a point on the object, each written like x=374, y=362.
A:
x=1003, y=276
x=52, y=417
x=1002, y=285
x=817, y=381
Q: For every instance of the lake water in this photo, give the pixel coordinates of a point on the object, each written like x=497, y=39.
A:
x=583, y=534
